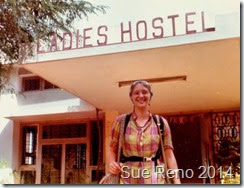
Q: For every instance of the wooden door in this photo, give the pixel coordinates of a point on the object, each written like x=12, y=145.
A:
x=186, y=139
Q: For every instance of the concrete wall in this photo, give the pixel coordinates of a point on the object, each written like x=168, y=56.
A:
x=8, y=105
x=28, y=104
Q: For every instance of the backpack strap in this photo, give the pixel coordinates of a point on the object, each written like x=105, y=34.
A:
x=127, y=119
x=159, y=123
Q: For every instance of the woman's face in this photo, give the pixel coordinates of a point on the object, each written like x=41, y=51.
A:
x=140, y=96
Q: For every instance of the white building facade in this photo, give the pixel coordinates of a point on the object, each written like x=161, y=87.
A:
x=72, y=90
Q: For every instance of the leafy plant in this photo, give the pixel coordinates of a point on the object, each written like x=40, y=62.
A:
x=3, y=164
x=24, y=22
x=7, y=178
x=229, y=158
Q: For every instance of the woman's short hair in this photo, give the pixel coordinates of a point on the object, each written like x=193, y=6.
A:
x=144, y=83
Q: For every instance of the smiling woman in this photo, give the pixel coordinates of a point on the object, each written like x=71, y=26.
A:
x=141, y=94
x=143, y=149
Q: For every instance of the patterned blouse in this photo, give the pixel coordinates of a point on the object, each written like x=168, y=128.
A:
x=143, y=142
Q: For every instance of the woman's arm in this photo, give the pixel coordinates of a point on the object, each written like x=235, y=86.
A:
x=169, y=154
x=114, y=167
x=172, y=164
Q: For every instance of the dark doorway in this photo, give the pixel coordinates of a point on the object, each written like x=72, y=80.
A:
x=186, y=139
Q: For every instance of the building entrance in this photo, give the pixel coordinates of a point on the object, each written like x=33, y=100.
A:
x=187, y=146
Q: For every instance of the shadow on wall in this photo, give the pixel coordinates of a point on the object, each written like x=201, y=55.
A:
x=6, y=140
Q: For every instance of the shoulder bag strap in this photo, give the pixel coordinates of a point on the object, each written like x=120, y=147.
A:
x=160, y=124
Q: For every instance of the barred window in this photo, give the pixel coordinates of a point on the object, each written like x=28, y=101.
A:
x=64, y=131
x=33, y=83
x=49, y=85
x=27, y=177
x=29, y=145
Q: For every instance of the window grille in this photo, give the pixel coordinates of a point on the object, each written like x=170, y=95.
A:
x=64, y=131
x=226, y=143
x=48, y=85
x=225, y=125
x=75, y=164
x=51, y=164
x=27, y=177
x=32, y=83
x=29, y=145
x=95, y=142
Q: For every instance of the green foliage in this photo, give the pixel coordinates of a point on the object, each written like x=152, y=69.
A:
x=229, y=156
x=3, y=164
x=8, y=176
x=26, y=21
x=5, y=71
x=230, y=180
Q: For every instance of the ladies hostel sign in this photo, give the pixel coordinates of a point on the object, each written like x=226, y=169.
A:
x=131, y=31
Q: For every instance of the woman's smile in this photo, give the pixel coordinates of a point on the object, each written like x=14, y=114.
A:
x=140, y=96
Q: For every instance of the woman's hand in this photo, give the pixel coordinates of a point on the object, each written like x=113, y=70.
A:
x=114, y=168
